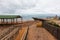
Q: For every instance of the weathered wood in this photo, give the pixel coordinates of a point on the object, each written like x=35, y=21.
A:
x=36, y=33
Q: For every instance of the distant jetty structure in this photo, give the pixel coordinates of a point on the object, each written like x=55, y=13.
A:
x=9, y=26
x=10, y=19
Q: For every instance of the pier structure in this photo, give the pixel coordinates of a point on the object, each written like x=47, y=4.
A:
x=10, y=19
x=39, y=33
x=47, y=31
x=9, y=26
x=53, y=29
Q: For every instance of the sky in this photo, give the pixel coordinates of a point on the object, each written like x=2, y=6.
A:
x=29, y=7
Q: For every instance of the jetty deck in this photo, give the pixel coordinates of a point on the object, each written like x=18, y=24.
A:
x=36, y=33
x=41, y=33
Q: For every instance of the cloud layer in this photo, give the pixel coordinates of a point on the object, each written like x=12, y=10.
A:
x=29, y=6
x=12, y=6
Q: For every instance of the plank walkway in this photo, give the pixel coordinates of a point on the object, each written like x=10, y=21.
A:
x=40, y=33
x=21, y=33
x=22, y=30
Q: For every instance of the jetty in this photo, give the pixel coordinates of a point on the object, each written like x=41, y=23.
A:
x=13, y=28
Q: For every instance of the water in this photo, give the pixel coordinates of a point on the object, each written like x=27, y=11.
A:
x=29, y=17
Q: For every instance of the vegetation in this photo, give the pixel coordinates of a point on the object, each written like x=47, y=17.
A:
x=53, y=23
x=56, y=25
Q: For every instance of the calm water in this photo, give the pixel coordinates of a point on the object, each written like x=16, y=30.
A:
x=29, y=17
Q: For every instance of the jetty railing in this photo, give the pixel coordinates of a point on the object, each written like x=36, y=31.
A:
x=54, y=30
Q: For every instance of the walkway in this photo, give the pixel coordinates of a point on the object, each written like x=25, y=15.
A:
x=39, y=33
x=21, y=33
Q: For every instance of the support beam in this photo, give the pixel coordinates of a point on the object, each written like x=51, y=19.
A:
x=6, y=21
x=11, y=20
x=1, y=20
x=21, y=20
x=16, y=20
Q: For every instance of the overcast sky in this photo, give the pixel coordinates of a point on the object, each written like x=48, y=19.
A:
x=29, y=6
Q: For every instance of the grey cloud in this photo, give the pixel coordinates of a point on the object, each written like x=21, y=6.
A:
x=9, y=6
